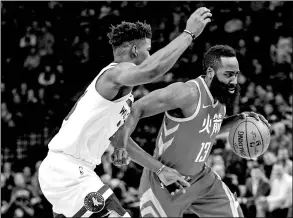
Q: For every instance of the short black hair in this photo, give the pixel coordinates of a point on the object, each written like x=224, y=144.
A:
x=127, y=32
x=212, y=58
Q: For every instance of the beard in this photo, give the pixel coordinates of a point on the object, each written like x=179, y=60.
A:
x=220, y=91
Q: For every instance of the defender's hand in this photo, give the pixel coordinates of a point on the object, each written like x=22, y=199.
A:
x=258, y=117
x=120, y=157
x=169, y=176
x=198, y=20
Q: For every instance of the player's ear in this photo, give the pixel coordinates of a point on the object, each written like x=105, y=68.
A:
x=134, y=51
x=210, y=73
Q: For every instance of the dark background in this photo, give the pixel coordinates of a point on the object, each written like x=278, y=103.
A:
x=50, y=52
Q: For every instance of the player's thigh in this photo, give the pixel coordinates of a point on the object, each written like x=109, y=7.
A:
x=59, y=179
x=92, y=199
x=155, y=201
x=75, y=190
x=219, y=202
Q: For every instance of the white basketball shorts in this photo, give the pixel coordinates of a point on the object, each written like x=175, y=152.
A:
x=74, y=189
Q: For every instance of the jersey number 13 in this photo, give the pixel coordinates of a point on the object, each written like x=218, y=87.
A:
x=204, y=150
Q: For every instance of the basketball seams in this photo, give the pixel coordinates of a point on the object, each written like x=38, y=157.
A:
x=245, y=129
x=234, y=136
x=263, y=145
x=247, y=146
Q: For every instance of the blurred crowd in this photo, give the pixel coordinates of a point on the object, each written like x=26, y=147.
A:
x=51, y=51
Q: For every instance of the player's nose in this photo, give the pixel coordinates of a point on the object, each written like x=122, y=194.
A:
x=233, y=81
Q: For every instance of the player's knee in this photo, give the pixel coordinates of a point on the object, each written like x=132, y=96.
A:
x=104, y=203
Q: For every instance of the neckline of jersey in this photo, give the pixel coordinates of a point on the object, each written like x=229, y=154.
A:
x=209, y=93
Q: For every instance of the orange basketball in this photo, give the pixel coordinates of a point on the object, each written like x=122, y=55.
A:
x=249, y=138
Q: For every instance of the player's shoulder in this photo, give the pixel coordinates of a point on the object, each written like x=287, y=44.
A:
x=181, y=87
x=120, y=67
x=187, y=88
x=116, y=70
x=185, y=92
x=193, y=88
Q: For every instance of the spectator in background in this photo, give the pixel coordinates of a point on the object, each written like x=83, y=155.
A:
x=283, y=158
x=47, y=78
x=29, y=39
x=41, y=96
x=6, y=116
x=256, y=186
x=279, y=137
x=282, y=52
x=218, y=160
x=23, y=90
x=8, y=175
x=19, y=204
x=46, y=42
x=27, y=175
x=268, y=161
x=269, y=112
x=31, y=99
x=279, y=200
x=5, y=192
x=33, y=60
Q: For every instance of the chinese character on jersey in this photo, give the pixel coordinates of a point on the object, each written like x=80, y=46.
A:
x=207, y=123
x=217, y=124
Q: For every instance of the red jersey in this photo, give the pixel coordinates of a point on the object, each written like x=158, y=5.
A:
x=185, y=143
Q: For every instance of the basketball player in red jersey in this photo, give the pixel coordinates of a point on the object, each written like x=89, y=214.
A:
x=66, y=175
x=194, y=114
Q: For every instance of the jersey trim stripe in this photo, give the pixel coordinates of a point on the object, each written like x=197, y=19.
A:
x=194, y=114
x=209, y=93
x=233, y=203
x=105, y=191
x=150, y=196
x=93, y=86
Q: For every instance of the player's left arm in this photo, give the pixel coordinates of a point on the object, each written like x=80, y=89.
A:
x=176, y=95
x=229, y=121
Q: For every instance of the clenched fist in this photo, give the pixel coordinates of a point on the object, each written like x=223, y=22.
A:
x=120, y=157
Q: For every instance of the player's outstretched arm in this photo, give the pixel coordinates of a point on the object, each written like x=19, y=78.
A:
x=177, y=95
x=127, y=74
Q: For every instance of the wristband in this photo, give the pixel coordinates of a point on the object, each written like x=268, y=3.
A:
x=190, y=33
x=159, y=170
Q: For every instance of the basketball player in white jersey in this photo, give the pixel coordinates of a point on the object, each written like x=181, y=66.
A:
x=67, y=176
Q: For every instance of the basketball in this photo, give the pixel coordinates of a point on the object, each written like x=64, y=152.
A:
x=249, y=138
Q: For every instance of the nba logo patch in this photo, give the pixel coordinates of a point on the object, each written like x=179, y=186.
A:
x=94, y=202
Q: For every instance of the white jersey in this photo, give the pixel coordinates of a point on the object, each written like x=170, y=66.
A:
x=85, y=132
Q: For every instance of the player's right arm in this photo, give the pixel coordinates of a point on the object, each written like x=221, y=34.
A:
x=177, y=95
x=128, y=74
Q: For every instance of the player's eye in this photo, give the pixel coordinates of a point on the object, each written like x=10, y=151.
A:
x=228, y=74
